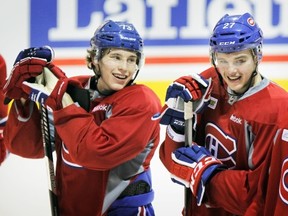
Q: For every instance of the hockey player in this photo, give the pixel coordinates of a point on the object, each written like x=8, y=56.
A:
x=272, y=195
x=235, y=122
x=3, y=108
x=103, y=156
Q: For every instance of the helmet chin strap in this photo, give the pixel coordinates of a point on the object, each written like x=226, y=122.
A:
x=95, y=83
x=134, y=77
x=250, y=84
x=234, y=96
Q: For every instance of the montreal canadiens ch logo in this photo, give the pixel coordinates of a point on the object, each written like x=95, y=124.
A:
x=283, y=187
x=221, y=145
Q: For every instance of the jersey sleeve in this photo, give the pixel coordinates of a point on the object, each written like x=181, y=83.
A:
x=3, y=108
x=22, y=133
x=227, y=184
x=168, y=146
x=275, y=182
x=115, y=139
x=3, y=71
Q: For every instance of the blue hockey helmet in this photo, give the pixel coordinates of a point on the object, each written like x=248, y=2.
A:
x=236, y=33
x=116, y=34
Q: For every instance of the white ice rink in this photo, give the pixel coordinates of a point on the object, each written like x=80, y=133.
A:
x=24, y=188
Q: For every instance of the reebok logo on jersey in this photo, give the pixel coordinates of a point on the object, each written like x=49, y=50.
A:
x=100, y=107
x=235, y=119
x=285, y=135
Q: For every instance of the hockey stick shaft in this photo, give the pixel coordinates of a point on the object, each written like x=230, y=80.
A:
x=188, y=116
x=49, y=160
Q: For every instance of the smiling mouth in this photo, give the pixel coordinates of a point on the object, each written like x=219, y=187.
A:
x=120, y=76
x=232, y=79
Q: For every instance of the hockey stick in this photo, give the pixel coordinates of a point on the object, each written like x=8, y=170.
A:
x=188, y=115
x=49, y=160
x=48, y=150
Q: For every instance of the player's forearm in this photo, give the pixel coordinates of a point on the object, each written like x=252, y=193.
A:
x=231, y=190
x=166, y=149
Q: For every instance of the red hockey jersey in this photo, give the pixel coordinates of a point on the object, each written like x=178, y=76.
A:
x=239, y=131
x=272, y=196
x=99, y=152
x=3, y=108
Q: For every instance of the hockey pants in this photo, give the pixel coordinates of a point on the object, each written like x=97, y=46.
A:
x=136, y=199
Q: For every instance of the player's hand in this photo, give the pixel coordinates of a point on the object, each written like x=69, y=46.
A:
x=45, y=52
x=172, y=113
x=64, y=91
x=191, y=88
x=193, y=167
x=187, y=88
x=53, y=89
x=49, y=88
x=28, y=65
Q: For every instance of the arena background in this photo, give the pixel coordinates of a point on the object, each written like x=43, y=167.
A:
x=175, y=35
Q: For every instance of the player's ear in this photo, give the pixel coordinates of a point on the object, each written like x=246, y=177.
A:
x=97, y=69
